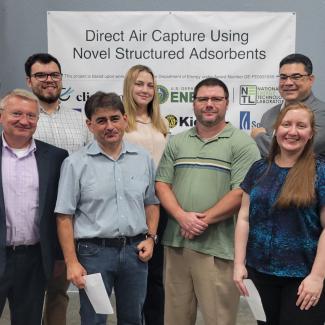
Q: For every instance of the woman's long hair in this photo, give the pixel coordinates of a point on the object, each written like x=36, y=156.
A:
x=299, y=186
x=131, y=106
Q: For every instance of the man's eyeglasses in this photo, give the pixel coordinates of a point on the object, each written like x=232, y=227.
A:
x=292, y=77
x=18, y=115
x=42, y=76
x=205, y=100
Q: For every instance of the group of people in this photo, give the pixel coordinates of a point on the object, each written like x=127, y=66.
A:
x=156, y=215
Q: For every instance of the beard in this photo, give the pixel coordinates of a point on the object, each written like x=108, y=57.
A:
x=51, y=98
x=48, y=99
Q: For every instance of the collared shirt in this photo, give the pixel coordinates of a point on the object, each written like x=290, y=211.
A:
x=65, y=128
x=107, y=196
x=20, y=191
x=201, y=173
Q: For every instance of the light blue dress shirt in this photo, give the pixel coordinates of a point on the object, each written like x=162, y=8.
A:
x=106, y=196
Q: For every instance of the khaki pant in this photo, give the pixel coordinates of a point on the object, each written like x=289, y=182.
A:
x=194, y=279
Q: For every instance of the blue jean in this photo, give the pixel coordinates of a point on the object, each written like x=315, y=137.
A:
x=120, y=268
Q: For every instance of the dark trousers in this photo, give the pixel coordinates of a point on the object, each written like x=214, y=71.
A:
x=23, y=283
x=279, y=296
x=154, y=304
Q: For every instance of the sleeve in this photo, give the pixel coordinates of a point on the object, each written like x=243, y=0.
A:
x=248, y=182
x=150, y=196
x=244, y=157
x=264, y=140
x=165, y=171
x=68, y=190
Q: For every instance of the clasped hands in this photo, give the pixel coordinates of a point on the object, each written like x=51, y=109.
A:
x=192, y=224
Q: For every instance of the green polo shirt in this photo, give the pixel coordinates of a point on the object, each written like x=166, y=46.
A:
x=201, y=173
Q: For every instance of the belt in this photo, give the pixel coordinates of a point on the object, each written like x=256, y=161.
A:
x=22, y=248
x=117, y=241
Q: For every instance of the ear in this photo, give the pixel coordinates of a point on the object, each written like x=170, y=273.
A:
x=88, y=123
x=28, y=82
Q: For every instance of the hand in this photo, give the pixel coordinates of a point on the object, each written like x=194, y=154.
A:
x=186, y=234
x=75, y=274
x=257, y=131
x=240, y=273
x=191, y=222
x=146, y=249
x=309, y=291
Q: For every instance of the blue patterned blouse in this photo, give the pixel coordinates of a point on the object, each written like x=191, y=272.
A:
x=282, y=241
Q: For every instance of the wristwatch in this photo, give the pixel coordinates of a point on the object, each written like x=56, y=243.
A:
x=153, y=237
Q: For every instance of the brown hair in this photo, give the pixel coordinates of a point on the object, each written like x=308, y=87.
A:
x=131, y=106
x=299, y=186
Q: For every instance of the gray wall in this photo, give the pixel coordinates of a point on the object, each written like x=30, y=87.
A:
x=23, y=28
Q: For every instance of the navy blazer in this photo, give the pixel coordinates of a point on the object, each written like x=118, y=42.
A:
x=49, y=159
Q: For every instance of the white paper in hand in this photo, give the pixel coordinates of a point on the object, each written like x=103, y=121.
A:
x=254, y=301
x=97, y=294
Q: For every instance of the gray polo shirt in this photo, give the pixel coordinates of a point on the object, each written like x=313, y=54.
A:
x=107, y=196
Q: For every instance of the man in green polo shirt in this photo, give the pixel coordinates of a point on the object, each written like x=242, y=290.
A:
x=198, y=184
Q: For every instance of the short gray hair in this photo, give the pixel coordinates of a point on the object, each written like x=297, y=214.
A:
x=21, y=93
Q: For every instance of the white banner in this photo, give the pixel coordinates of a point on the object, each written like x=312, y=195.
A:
x=241, y=48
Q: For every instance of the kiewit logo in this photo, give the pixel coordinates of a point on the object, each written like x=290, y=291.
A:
x=245, y=120
x=248, y=95
x=172, y=120
x=162, y=93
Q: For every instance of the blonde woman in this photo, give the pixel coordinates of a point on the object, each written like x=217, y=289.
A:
x=280, y=237
x=148, y=129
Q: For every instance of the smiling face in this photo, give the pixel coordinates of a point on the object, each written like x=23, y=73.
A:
x=108, y=126
x=47, y=91
x=294, y=131
x=19, y=118
x=143, y=89
x=295, y=90
x=208, y=110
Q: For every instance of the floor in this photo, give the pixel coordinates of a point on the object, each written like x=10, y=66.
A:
x=245, y=316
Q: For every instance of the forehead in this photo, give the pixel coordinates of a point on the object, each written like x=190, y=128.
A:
x=45, y=67
x=293, y=68
x=144, y=75
x=297, y=115
x=106, y=113
x=19, y=103
x=210, y=91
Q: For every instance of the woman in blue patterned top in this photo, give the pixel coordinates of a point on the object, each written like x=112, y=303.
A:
x=279, y=237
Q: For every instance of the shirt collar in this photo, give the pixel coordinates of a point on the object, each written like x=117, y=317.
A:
x=32, y=146
x=94, y=149
x=56, y=110
x=227, y=131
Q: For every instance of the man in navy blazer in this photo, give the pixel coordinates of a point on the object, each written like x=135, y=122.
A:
x=29, y=174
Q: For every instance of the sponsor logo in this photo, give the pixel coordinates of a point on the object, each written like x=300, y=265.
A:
x=247, y=95
x=172, y=120
x=244, y=120
x=253, y=94
x=182, y=121
x=163, y=94
x=65, y=94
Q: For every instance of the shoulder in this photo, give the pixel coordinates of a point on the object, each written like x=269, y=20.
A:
x=273, y=111
x=182, y=136
x=43, y=146
x=135, y=148
x=239, y=138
